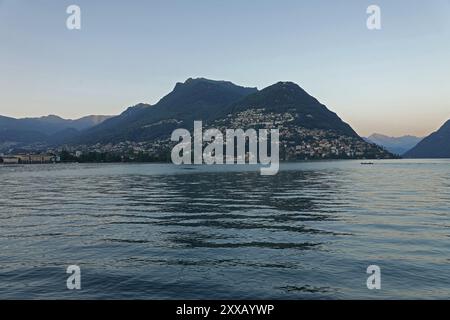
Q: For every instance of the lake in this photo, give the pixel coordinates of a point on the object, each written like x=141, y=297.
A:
x=159, y=231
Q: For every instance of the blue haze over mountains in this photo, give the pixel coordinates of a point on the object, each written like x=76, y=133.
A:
x=49, y=129
x=436, y=145
x=206, y=100
x=396, y=145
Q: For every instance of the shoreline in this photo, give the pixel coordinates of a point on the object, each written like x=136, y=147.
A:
x=371, y=161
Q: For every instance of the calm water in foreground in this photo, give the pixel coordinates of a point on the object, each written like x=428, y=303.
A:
x=157, y=231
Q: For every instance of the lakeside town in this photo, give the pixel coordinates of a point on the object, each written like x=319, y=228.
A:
x=300, y=143
x=296, y=143
x=29, y=158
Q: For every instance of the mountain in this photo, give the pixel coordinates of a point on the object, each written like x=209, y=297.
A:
x=308, y=129
x=29, y=130
x=195, y=99
x=396, y=145
x=208, y=100
x=436, y=145
x=288, y=97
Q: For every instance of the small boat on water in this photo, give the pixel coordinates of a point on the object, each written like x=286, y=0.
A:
x=367, y=163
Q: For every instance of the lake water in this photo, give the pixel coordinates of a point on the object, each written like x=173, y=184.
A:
x=158, y=231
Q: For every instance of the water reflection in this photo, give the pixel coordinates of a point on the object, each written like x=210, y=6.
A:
x=155, y=231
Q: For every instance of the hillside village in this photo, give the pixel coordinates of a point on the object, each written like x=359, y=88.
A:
x=307, y=129
x=296, y=143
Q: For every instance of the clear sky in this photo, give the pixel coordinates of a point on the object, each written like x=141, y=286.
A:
x=393, y=81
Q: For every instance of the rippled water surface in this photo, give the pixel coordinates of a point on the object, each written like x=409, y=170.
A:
x=157, y=231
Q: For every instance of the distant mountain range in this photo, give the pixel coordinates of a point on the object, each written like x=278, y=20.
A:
x=396, y=145
x=308, y=128
x=48, y=129
x=436, y=145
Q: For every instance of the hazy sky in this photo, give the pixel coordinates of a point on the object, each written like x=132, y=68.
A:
x=394, y=81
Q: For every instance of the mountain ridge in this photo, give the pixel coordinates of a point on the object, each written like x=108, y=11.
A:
x=41, y=129
x=436, y=145
x=208, y=100
x=396, y=145
x=191, y=100
x=286, y=96
x=308, y=129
